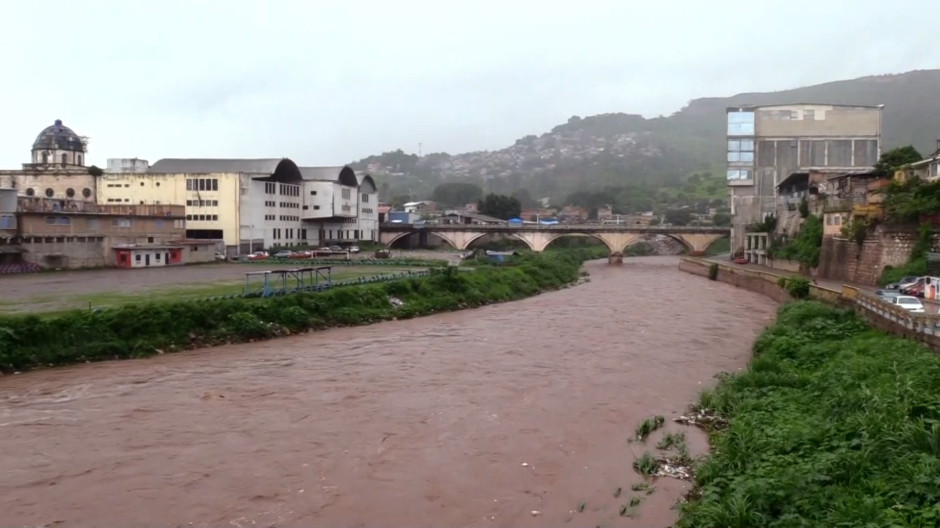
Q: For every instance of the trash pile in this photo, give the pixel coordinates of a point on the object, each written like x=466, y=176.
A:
x=674, y=467
x=703, y=418
x=395, y=302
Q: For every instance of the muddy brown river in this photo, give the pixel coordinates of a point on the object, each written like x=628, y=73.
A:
x=508, y=415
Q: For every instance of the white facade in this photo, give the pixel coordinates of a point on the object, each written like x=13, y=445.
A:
x=339, y=206
x=126, y=165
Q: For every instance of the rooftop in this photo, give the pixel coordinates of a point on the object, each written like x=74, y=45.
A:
x=59, y=137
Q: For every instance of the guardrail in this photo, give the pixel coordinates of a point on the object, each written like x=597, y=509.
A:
x=344, y=262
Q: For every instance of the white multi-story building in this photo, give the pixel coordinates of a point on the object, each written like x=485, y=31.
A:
x=254, y=203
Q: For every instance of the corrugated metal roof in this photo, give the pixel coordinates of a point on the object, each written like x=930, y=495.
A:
x=209, y=165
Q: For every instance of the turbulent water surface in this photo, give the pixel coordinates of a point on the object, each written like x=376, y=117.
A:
x=508, y=415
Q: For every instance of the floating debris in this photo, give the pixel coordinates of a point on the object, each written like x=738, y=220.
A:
x=395, y=302
x=673, y=468
x=703, y=418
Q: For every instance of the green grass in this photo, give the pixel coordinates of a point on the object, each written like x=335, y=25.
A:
x=146, y=328
x=832, y=424
x=55, y=304
x=647, y=426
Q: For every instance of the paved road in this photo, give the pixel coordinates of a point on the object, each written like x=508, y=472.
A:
x=931, y=307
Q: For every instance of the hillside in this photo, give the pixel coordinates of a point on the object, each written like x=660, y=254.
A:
x=626, y=153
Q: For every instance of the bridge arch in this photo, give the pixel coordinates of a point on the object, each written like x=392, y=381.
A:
x=405, y=234
x=555, y=237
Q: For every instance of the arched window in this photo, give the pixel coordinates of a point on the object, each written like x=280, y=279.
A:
x=49, y=192
x=30, y=192
x=45, y=158
x=86, y=192
x=65, y=158
x=70, y=192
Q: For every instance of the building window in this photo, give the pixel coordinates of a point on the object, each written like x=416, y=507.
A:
x=365, y=198
x=45, y=158
x=347, y=194
x=58, y=220
x=70, y=192
x=740, y=123
x=313, y=193
x=137, y=257
x=315, y=207
x=740, y=151
x=79, y=159
x=65, y=159
x=30, y=192
x=49, y=192
x=739, y=174
x=122, y=222
x=809, y=115
x=86, y=192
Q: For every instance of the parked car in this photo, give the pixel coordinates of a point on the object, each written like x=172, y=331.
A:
x=220, y=257
x=353, y=249
x=888, y=295
x=911, y=304
x=283, y=254
x=336, y=249
x=258, y=255
x=901, y=282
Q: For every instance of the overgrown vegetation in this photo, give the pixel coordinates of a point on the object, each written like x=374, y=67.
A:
x=805, y=246
x=767, y=225
x=138, y=330
x=647, y=426
x=909, y=200
x=832, y=424
x=856, y=229
x=797, y=287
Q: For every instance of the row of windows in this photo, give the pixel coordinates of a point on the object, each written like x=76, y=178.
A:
x=202, y=217
x=289, y=218
x=286, y=189
x=70, y=192
x=288, y=234
x=202, y=184
x=119, y=185
x=64, y=158
x=202, y=203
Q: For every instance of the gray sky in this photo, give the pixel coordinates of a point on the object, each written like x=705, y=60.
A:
x=329, y=82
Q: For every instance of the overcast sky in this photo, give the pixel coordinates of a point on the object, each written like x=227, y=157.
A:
x=329, y=82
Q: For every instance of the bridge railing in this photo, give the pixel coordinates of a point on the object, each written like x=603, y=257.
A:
x=392, y=226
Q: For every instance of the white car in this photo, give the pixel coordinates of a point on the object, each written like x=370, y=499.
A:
x=911, y=304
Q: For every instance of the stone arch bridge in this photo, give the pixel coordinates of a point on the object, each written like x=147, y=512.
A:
x=695, y=239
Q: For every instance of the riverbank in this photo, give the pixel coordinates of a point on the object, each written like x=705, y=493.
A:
x=140, y=330
x=833, y=423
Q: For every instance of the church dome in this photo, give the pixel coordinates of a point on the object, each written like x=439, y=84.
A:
x=59, y=137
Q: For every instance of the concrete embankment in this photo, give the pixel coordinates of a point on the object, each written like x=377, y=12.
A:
x=879, y=314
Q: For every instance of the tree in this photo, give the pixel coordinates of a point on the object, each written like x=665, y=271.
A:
x=95, y=171
x=500, y=206
x=721, y=219
x=456, y=194
x=895, y=158
x=678, y=216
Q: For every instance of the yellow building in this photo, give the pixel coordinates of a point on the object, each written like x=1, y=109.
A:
x=251, y=204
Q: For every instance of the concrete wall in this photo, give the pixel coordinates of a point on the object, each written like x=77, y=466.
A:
x=879, y=314
x=63, y=184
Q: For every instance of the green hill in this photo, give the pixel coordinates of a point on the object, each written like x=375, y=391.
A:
x=626, y=154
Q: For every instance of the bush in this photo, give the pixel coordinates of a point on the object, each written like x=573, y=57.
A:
x=798, y=287
x=832, y=424
x=143, y=329
x=713, y=271
x=805, y=246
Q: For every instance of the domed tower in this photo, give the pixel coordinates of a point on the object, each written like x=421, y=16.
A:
x=59, y=146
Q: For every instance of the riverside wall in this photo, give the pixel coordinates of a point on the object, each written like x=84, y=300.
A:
x=879, y=314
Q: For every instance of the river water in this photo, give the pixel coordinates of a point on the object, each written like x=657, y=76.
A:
x=471, y=418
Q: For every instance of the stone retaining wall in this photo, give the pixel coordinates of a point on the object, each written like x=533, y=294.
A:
x=879, y=314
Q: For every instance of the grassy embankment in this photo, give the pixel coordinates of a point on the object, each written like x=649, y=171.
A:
x=832, y=424
x=138, y=330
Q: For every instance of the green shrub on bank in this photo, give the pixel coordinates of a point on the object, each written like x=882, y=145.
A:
x=139, y=330
x=832, y=424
